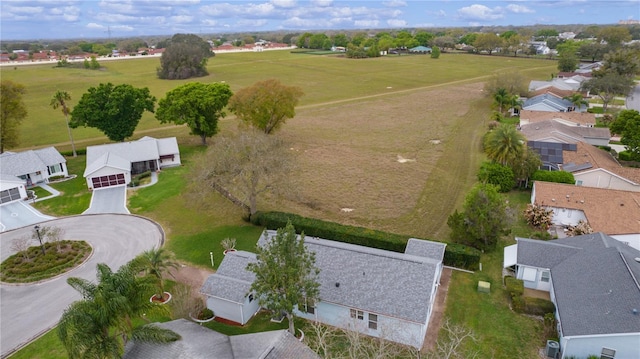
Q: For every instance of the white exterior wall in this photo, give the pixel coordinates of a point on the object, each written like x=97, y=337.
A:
x=536, y=283
x=170, y=163
x=394, y=329
x=566, y=216
x=603, y=179
x=627, y=346
x=9, y=185
x=235, y=312
x=632, y=240
x=597, y=141
x=105, y=171
x=63, y=172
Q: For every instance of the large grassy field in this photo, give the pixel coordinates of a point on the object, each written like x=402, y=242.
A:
x=356, y=120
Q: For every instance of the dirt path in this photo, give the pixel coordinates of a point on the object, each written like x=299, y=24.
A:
x=438, y=312
x=193, y=276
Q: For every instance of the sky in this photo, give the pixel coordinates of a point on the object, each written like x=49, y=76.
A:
x=73, y=19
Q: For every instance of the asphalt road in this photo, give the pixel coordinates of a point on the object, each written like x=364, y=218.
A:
x=27, y=311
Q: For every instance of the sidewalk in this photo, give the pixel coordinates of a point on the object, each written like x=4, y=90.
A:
x=49, y=189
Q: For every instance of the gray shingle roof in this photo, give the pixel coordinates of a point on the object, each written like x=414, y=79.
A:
x=107, y=160
x=427, y=249
x=133, y=151
x=232, y=281
x=199, y=343
x=596, y=287
x=546, y=101
x=22, y=163
x=553, y=131
x=373, y=280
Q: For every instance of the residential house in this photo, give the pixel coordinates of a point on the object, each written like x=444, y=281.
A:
x=12, y=189
x=114, y=164
x=555, y=131
x=376, y=292
x=593, y=281
x=550, y=102
x=614, y=212
x=198, y=342
x=34, y=166
x=420, y=50
x=593, y=167
x=585, y=119
x=571, y=84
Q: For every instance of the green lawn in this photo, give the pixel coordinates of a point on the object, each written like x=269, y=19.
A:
x=74, y=195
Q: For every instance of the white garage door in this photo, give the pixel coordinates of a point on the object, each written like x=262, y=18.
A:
x=106, y=181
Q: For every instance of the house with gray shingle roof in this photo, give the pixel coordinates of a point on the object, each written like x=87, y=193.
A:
x=199, y=342
x=34, y=166
x=376, y=292
x=114, y=164
x=593, y=280
x=550, y=103
x=12, y=189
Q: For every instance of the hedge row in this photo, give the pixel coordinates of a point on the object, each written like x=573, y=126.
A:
x=456, y=255
x=79, y=152
x=527, y=305
x=553, y=176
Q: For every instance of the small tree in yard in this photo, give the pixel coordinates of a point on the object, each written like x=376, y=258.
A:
x=21, y=245
x=285, y=273
x=435, y=52
x=155, y=263
x=538, y=216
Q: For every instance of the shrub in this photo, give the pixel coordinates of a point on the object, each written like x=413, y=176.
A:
x=553, y=176
x=538, y=306
x=625, y=156
x=543, y=235
x=514, y=286
x=456, y=255
x=78, y=152
x=497, y=174
x=205, y=313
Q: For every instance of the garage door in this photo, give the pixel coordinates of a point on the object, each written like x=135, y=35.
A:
x=9, y=195
x=106, y=181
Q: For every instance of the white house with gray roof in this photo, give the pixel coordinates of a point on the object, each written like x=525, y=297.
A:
x=34, y=166
x=376, y=292
x=593, y=280
x=114, y=164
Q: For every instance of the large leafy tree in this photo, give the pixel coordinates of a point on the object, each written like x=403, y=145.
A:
x=185, y=56
x=627, y=124
x=488, y=42
x=496, y=174
x=198, y=105
x=266, y=105
x=614, y=35
x=114, y=110
x=504, y=144
x=100, y=325
x=12, y=112
x=285, y=273
x=60, y=99
x=607, y=85
x=246, y=166
x=484, y=220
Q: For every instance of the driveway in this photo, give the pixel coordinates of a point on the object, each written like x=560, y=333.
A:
x=108, y=200
x=19, y=214
x=27, y=311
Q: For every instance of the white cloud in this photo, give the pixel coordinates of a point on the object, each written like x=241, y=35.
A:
x=322, y=3
x=209, y=22
x=181, y=19
x=93, y=25
x=251, y=23
x=478, y=12
x=287, y=4
x=394, y=3
x=519, y=9
x=366, y=23
x=251, y=10
x=396, y=23
x=122, y=28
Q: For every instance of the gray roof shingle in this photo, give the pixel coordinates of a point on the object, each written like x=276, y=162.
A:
x=22, y=163
x=232, y=281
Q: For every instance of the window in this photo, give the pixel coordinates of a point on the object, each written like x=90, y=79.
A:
x=373, y=321
x=250, y=298
x=357, y=314
x=607, y=353
x=579, y=183
x=544, y=277
x=55, y=168
x=307, y=306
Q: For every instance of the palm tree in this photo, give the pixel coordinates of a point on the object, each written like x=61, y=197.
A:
x=60, y=99
x=501, y=98
x=577, y=100
x=514, y=102
x=505, y=144
x=154, y=263
x=99, y=325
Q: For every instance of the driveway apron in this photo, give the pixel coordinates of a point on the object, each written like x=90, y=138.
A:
x=19, y=214
x=108, y=200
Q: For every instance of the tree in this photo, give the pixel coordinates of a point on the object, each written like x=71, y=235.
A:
x=100, y=325
x=525, y=166
x=488, y=42
x=114, y=110
x=245, y=166
x=592, y=50
x=266, y=105
x=627, y=124
x=60, y=99
x=577, y=100
x=435, y=52
x=505, y=144
x=624, y=62
x=155, y=263
x=485, y=218
x=614, y=35
x=186, y=56
x=12, y=112
x=196, y=104
x=285, y=273
x=515, y=43
x=496, y=174
x=607, y=85
x=424, y=38
x=512, y=81
x=444, y=42
x=567, y=62
x=500, y=99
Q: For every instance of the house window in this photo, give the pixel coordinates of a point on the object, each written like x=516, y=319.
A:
x=579, y=183
x=607, y=353
x=250, y=298
x=55, y=169
x=544, y=277
x=373, y=321
x=307, y=306
x=357, y=314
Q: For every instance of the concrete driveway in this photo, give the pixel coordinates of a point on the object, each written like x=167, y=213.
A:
x=19, y=214
x=108, y=200
x=27, y=311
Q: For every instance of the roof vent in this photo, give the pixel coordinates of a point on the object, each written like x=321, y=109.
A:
x=637, y=259
x=337, y=285
x=635, y=311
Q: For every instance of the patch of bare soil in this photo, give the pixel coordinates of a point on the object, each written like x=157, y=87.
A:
x=438, y=312
x=192, y=276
